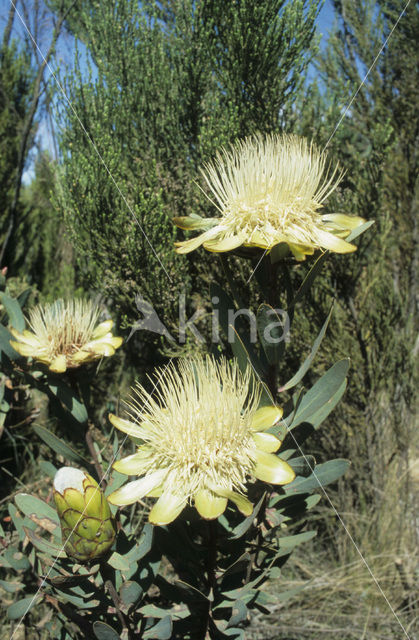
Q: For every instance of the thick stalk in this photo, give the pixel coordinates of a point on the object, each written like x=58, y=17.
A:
x=79, y=380
x=204, y=632
x=272, y=374
x=93, y=453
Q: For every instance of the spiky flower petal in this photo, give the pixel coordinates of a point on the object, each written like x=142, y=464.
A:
x=87, y=525
x=65, y=335
x=202, y=437
x=269, y=191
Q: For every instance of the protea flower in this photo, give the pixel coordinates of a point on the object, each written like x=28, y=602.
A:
x=202, y=437
x=87, y=525
x=269, y=191
x=65, y=335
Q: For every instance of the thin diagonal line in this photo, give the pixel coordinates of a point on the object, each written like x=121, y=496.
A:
x=347, y=532
x=340, y=519
x=45, y=578
x=288, y=430
x=254, y=270
x=90, y=140
x=366, y=76
x=346, y=109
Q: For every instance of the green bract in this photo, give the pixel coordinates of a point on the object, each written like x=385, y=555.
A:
x=87, y=525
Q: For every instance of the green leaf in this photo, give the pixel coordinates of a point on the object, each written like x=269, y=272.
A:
x=59, y=446
x=321, y=393
x=273, y=343
x=357, y=232
x=116, y=480
x=291, y=506
x=278, y=252
x=283, y=596
x=140, y=550
x=5, y=346
x=321, y=415
x=302, y=465
x=86, y=602
x=245, y=359
x=231, y=281
x=71, y=580
x=48, y=468
x=296, y=437
x=39, y=512
x=161, y=631
x=16, y=318
x=284, y=507
x=14, y=559
x=242, y=347
x=103, y=631
x=119, y=562
x=322, y=475
x=239, y=613
x=153, y=611
x=18, y=521
x=43, y=545
x=10, y=586
x=227, y=634
x=262, y=272
x=289, y=542
x=130, y=592
x=309, y=279
x=66, y=396
x=245, y=525
x=4, y=408
x=307, y=362
x=20, y=608
x=23, y=297
x=239, y=566
x=149, y=569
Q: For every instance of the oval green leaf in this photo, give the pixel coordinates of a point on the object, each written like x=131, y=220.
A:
x=103, y=631
x=21, y=607
x=16, y=317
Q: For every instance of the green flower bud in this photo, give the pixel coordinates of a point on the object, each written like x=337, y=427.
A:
x=87, y=525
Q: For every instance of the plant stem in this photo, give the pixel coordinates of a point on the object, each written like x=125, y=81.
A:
x=272, y=374
x=211, y=578
x=91, y=446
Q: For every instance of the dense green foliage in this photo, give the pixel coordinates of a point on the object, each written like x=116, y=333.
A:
x=377, y=289
x=169, y=83
x=42, y=251
x=175, y=81
x=29, y=224
x=16, y=83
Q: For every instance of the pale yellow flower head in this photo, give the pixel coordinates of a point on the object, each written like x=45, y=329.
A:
x=65, y=335
x=202, y=438
x=270, y=190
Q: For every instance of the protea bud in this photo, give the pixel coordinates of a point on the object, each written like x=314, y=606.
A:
x=87, y=525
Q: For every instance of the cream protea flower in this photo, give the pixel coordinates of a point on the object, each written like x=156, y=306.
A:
x=201, y=438
x=269, y=191
x=65, y=335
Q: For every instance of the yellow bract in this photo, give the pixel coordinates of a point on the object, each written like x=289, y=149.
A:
x=66, y=335
x=203, y=437
x=270, y=191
